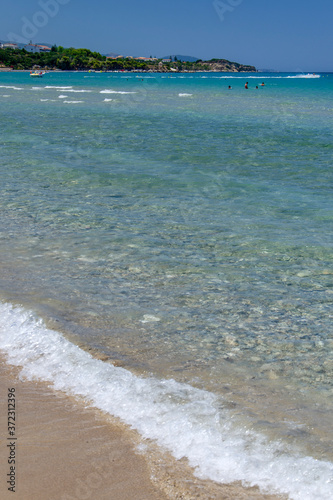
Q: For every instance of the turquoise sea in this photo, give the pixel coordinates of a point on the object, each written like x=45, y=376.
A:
x=166, y=252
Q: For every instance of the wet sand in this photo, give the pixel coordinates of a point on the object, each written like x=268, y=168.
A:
x=66, y=451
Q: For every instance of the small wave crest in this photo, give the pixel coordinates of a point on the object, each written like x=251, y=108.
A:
x=187, y=421
x=309, y=75
x=107, y=91
x=10, y=87
x=74, y=90
x=57, y=87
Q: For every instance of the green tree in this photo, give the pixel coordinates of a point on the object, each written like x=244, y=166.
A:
x=64, y=63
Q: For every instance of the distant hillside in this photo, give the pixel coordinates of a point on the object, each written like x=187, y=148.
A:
x=111, y=54
x=181, y=58
x=265, y=70
x=21, y=45
x=225, y=66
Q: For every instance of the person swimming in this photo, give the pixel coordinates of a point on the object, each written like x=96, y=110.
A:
x=247, y=85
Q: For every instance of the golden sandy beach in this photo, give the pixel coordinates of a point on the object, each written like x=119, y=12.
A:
x=66, y=452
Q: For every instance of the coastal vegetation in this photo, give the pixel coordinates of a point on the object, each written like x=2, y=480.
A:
x=60, y=58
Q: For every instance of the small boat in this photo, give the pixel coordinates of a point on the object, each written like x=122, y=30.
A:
x=36, y=74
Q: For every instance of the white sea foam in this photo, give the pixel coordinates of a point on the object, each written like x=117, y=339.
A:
x=72, y=102
x=73, y=90
x=189, y=422
x=107, y=100
x=185, y=95
x=309, y=75
x=265, y=77
x=10, y=87
x=107, y=91
x=57, y=87
x=149, y=318
x=62, y=96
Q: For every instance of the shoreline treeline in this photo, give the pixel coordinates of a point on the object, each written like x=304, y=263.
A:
x=59, y=58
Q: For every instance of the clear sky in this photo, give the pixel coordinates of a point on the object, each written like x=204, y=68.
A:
x=286, y=35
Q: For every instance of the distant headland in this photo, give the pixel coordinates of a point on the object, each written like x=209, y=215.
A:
x=33, y=56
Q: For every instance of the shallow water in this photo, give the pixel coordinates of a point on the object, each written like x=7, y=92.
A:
x=184, y=231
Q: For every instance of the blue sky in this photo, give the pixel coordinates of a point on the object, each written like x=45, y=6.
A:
x=287, y=35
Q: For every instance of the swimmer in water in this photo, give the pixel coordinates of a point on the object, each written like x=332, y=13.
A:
x=247, y=85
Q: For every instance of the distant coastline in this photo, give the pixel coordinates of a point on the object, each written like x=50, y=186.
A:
x=59, y=58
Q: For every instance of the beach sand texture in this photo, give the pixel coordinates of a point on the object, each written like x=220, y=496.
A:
x=66, y=451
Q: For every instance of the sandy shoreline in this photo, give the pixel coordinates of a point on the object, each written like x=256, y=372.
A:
x=65, y=451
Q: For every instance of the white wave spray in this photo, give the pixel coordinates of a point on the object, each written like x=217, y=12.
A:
x=187, y=421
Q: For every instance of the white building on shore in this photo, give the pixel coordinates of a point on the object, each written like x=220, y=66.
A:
x=8, y=46
x=31, y=47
